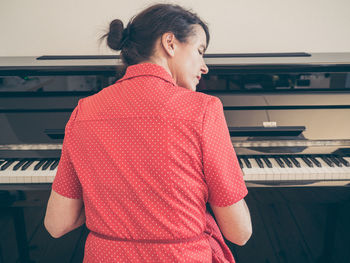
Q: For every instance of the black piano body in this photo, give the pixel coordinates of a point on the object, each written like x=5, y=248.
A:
x=288, y=115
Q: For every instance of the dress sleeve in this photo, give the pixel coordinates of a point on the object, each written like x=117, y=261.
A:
x=221, y=169
x=66, y=182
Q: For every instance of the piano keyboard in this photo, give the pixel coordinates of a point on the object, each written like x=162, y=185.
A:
x=27, y=171
x=259, y=169
x=308, y=168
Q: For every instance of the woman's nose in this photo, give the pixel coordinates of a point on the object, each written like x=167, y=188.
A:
x=204, y=68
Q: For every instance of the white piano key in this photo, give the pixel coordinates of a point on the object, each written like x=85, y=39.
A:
x=307, y=172
x=32, y=174
x=7, y=174
x=318, y=173
x=338, y=172
x=247, y=176
x=330, y=172
x=39, y=176
x=290, y=172
x=16, y=176
x=347, y=158
x=257, y=173
x=299, y=172
x=25, y=174
x=250, y=174
x=341, y=172
x=268, y=172
x=278, y=173
x=346, y=174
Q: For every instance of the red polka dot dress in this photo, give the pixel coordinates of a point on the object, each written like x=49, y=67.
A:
x=146, y=155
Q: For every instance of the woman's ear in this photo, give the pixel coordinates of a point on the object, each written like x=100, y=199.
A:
x=168, y=43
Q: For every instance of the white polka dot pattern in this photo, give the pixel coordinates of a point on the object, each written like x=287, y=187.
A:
x=146, y=156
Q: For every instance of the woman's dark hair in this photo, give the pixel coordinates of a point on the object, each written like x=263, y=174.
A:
x=136, y=42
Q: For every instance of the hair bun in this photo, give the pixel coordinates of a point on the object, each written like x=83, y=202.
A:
x=115, y=34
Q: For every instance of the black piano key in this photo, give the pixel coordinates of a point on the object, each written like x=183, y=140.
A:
x=47, y=164
x=6, y=164
x=315, y=161
x=39, y=164
x=267, y=161
x=26, y=165
x=56, y=162
x=307, y=161
x=336, y=161
x=279, y=161
x=240, y=163
x=288, y=163
x=343, y=161
x=295, y=161
x=259, y=162
x=327, y=161
x=247, y=163
x=19, y=164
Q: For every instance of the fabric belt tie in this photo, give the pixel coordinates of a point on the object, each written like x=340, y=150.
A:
x=154, y=241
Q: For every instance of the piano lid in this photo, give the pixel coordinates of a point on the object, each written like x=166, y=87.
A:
x=212, y=60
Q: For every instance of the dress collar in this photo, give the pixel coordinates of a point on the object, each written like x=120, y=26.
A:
x=147, y=69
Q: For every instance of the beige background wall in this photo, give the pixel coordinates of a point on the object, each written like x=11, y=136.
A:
x=47, y=27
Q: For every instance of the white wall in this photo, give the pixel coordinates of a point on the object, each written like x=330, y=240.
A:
x=48, y=27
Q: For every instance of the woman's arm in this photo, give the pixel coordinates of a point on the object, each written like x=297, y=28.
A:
x=234, y=222
x=63, y=214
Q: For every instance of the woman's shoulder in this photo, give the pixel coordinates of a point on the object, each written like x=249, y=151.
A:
x=189, y=105
x=91, y=105
x=197, y=98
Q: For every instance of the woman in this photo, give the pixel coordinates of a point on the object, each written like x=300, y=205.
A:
x=141, y=158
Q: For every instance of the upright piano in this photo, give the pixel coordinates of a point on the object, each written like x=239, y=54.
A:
x=288, y=115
